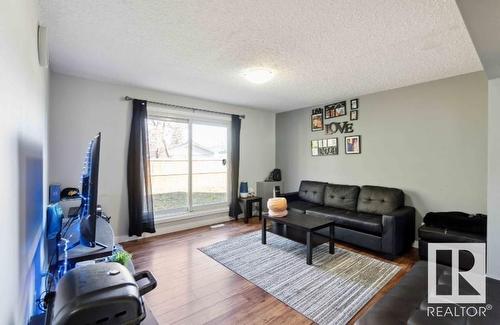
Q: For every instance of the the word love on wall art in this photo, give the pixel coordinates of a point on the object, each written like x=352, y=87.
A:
x=341, y=127
x=331, y=122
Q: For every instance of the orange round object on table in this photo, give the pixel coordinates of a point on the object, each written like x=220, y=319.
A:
x=277, y=207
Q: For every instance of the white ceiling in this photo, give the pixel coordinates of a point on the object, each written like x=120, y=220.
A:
x=321, y=50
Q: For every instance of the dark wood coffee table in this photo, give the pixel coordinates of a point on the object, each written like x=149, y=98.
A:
x=306, y=223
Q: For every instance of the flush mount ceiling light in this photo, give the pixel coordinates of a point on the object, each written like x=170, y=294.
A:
x=258, y=75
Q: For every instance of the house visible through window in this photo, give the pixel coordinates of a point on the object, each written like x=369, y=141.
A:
x=189, y=166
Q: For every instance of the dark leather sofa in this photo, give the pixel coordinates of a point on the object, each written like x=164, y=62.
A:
x=372, y=217
x=407, y=303
x=452, y=227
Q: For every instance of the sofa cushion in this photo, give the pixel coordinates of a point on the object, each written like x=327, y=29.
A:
x=341, y=196
x=312, y=191
x=365, y=222
x=301, y=206
x=443, y=235
x=379, y=200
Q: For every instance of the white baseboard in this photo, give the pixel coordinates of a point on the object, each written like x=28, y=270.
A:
x=177, y=225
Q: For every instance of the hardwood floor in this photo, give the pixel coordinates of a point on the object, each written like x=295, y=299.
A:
x=195, y=289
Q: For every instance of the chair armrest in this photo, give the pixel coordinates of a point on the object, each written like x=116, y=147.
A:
x=292, y=196
x=398, y=230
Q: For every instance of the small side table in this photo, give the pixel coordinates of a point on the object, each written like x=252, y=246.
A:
x=248, y=205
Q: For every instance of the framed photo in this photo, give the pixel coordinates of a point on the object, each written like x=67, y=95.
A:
x=353, y=115
x=314, y=148
x=354, y=103
x=324, y=147
x=353, y=144
x=317, y=119
x=335, y=110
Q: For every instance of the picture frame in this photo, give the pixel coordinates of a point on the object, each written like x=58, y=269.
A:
x=352, y=144
x=354, y=103
x=336, y=110
x=314, y=148
x=353, y=115
x=317, y=123
x=324, y=147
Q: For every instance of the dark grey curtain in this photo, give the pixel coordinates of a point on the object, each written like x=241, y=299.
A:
x=234, y=206
x=140, y=200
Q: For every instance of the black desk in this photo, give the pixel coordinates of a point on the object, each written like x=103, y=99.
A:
x=104, y=235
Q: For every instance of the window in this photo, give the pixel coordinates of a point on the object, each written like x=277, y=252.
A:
x=189, y=169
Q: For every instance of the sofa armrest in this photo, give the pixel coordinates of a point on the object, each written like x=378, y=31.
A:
x=292, y=196
x=398, y=230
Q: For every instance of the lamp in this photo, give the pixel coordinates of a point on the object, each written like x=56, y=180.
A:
x=277, y=207
x=258, y=75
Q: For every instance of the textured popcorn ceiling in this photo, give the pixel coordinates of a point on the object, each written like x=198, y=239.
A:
x=321, y=50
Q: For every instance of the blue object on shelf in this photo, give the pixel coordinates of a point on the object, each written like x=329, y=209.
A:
x=54, y=220
x=54, y=227
x=243, y=187
x=54, y=193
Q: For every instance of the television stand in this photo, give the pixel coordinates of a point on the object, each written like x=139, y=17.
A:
x=103, y=245
x=100, y=244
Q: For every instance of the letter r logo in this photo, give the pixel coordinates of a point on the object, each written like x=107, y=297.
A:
x=475, y=277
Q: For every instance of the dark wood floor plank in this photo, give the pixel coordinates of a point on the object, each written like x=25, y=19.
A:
x=195, y=289
x=227, y=306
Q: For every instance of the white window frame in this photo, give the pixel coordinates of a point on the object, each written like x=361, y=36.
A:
x=159, y=113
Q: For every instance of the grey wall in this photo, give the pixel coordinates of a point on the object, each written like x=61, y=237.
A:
x=80, y=108
x=493, y=177
x=23, y=86
x=428, y=139
x=482, y=23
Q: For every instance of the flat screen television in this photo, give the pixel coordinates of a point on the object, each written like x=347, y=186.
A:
x=88, y=209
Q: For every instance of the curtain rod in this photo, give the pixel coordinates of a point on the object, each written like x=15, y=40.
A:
x=183, y=107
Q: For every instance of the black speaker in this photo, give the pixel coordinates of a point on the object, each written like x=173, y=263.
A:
x=274, y=176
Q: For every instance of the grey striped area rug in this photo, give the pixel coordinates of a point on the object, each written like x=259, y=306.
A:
x=331, y=291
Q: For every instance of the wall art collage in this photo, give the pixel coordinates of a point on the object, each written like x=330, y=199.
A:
x=329, y=123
